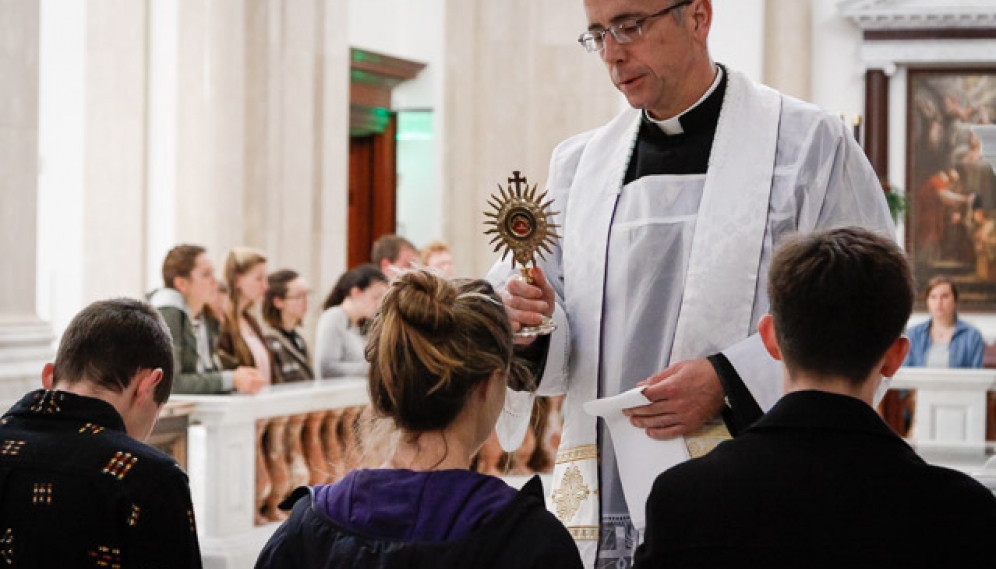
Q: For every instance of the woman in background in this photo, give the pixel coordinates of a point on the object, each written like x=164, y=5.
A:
x=241, y=341
x=437, y=255
x=944, y=340
x=242, y=344
x=339, y=338
x=441, y=355
x=284, y=308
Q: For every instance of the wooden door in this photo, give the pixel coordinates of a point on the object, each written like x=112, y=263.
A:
x=372, y=190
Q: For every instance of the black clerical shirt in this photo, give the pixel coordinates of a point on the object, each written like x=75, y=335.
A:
x=658, y=153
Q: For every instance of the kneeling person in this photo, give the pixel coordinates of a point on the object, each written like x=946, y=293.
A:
x=440, y=355
x=77, y=488
x=821, y=480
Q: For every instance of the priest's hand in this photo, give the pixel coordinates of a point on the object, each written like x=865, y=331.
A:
x=684, y=396
x=527, y=304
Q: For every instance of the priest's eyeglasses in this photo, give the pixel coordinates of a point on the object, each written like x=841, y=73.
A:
x=623, y=32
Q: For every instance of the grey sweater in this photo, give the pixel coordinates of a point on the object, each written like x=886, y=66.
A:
x=339, y=346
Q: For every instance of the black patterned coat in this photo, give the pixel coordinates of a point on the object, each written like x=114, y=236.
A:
x=77, y=492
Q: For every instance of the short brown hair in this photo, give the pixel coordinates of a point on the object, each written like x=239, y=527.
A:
x=938, y=281
x=432, y=343
x=109, y=341
x=839, y=299
x=179, y=262
x=389, y=247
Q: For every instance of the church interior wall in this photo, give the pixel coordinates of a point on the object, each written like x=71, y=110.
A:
x=165, y=123
x=412, y=29
x=737, y=36
x=188, y=128
x=524, y=85
x=114, y=151
x=838, y=81
x=62, y=58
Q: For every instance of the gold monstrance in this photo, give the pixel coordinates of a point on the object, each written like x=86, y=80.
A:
x=521, y=224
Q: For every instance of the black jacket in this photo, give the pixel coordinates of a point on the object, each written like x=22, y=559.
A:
x=76, y=491
x=819, y=481
x=523, y=535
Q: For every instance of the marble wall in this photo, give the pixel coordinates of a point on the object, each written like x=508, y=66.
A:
x=24, y=338
x=517, y=83
x=225, y=122
x=19, y=25
x=220, y=123
x=114, y=148
x=788, y=47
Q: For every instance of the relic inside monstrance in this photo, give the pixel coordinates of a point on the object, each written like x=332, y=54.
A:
x=521, y=224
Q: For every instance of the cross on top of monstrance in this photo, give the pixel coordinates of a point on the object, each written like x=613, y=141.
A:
x=521, y=222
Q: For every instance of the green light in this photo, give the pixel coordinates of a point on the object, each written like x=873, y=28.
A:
x=415, y=126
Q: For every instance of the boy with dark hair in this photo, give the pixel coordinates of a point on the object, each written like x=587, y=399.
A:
x=77, y=487
x=821, y=480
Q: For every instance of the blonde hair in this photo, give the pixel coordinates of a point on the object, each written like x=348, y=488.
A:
x=431, y=249
x=432, y=344
x=240, y=261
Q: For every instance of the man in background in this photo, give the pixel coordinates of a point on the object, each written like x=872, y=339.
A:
x=393, y=254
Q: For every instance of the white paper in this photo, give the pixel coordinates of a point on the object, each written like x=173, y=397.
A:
x=639, y=458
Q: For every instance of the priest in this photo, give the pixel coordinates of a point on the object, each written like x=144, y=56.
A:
x=669, y=215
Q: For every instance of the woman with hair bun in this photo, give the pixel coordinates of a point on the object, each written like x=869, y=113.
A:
x=440, y=357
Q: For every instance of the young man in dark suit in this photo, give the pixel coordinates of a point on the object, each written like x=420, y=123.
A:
x=821, y=480
x=77, y=486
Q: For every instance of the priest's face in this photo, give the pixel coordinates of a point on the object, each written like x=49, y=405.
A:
x=664, y=68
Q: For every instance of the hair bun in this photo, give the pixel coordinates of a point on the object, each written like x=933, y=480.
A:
x=425, y=301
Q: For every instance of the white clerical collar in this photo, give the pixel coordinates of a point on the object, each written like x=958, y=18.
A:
x=672, y=125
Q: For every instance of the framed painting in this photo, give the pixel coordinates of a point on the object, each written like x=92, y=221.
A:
x=951, y=222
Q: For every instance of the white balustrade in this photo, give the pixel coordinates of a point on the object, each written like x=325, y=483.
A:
x=949, y=424
x=987, y=138
x=221, y=460
x=949, y=429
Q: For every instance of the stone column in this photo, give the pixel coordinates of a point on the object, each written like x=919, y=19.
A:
x=114, y=172
x=297, y=136
x=516, y=83
x=331, y=197
x=24, y=339
x=788, y=47
x=211, y=125
x=262, y=135
x=283, y=128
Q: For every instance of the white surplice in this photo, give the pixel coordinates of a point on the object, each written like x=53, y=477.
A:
x=777, y=166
